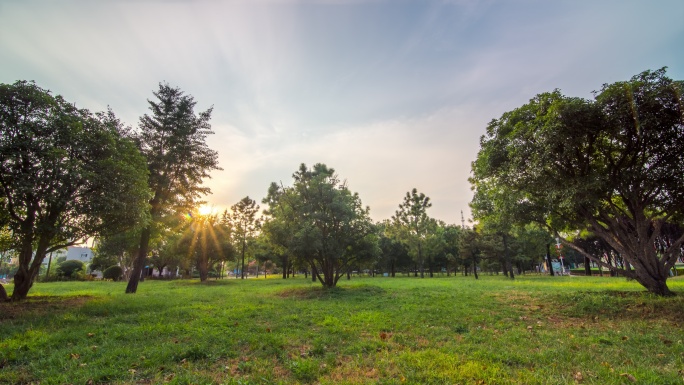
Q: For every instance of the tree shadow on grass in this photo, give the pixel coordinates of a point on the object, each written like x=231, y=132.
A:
x=209, y=283
x=335, y=293
x=636, y=305
x=34, y=306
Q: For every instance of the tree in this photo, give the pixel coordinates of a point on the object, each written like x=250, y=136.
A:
x=70, y=268
x=412, y=224
x=470, y=246
x=173, y=141
x=244, y=223
x=393, y=253
x=611, y=166
x=65, y=175
x=206, y=242
x=115, y=249
x=496, y=210
x=321, y=221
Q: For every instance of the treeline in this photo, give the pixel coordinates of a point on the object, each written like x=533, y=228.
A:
x=604, y=178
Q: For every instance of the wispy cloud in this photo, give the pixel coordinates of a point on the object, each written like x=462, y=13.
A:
x=393, y=94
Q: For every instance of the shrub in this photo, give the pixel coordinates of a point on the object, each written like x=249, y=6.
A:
x=112, y=272
x=71, y=268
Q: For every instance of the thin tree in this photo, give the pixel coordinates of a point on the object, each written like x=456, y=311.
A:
x=245, y=224
x=412, y=224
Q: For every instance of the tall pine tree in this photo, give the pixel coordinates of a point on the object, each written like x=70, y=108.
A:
x=173, y=140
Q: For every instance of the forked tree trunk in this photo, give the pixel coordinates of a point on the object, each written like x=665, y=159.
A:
x=29, y=267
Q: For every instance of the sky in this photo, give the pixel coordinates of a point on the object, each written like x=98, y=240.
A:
x=393, y=95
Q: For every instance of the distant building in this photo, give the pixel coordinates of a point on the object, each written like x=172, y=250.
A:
x=83, y=254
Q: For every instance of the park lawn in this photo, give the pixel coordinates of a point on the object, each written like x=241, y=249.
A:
x=447, y=330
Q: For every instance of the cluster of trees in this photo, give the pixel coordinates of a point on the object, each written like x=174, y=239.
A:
x=318, y=225
x=67, y=174
x=605, y=176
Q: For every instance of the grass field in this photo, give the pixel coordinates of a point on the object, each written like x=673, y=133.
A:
x=456, y=330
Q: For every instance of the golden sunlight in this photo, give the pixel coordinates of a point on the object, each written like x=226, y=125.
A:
x=205, y=209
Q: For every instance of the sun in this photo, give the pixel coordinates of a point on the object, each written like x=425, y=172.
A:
x=205, y=209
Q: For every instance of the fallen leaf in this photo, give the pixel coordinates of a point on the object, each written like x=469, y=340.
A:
x=578, y=377
x=75, y=356
x=383, y=336
x=625, y=338
x=628, y=376
x=91, y=334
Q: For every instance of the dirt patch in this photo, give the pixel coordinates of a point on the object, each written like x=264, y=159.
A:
x=40, y=305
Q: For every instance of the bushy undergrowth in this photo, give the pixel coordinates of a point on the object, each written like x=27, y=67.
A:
x=534, y=330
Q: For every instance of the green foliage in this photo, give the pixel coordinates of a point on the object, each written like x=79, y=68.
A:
x=72, y=268
x=412, y=226
x=321, y=221
x=65, y=174
x=610, y=166
x=244, y=224
x=204, y=241
x=172, y=138
x=113, y=272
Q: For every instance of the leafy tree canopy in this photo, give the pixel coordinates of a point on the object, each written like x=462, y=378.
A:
x=65, y=174
x=611, y=166
x=319, y=219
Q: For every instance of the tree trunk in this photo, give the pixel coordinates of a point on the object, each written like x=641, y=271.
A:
x=507, y=258
x=3, y=294
x=203, y=267
x=242, y=272
x=47, y=274
x=503, y=267
x=139, y=263
x=392, y=269
x=283, y=261
x=475, y=270
x=587, y=266
x=655, y=285
x=548, y=259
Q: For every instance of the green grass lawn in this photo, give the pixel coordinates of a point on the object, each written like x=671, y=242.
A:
x=456, y=330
